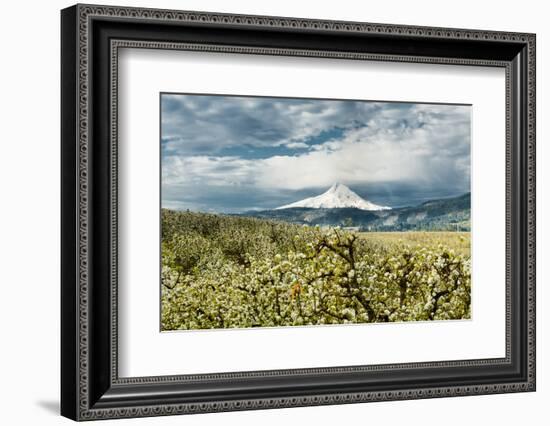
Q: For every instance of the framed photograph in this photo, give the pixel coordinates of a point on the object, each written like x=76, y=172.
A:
x=263, y=212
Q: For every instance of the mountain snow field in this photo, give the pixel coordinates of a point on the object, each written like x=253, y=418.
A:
x=338, y=196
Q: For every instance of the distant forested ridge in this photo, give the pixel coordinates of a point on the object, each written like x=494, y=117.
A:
x=447, y=214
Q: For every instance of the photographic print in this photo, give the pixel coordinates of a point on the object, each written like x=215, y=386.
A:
x=303, y=212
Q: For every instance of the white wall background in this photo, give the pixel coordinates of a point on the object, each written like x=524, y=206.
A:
x=29, y=213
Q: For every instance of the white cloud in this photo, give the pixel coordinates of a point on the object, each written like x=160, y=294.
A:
x=296, y=145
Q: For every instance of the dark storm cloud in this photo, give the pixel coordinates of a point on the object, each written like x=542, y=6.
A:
x=195, y=125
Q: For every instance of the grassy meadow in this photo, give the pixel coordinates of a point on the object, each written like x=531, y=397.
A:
x=456, y=241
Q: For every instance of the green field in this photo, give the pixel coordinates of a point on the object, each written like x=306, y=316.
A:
x=457, y=241
x=232, y=272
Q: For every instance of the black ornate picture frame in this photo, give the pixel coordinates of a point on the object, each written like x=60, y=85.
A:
x=91, y=38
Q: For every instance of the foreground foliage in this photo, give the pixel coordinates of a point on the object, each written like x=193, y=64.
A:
x=226, y=272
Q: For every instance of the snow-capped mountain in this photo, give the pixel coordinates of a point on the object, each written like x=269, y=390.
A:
x=338, y=196
x=444, y=214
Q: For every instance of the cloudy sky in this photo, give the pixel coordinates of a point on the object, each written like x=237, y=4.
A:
x=232, y=154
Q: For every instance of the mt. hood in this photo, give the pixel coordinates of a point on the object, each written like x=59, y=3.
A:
x=338, y=196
